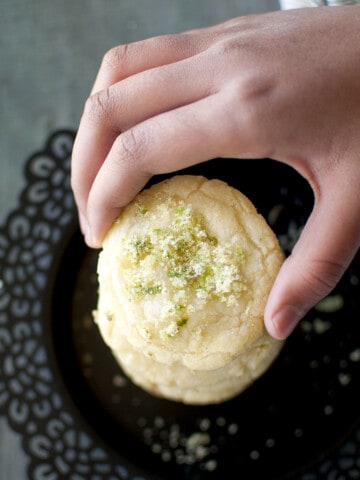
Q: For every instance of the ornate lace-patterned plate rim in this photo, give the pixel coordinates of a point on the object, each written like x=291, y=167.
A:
x=35, y=402
x=33, y=397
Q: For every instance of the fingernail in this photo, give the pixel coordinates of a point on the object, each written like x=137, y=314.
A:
x=90, y=239
x=84, y=226
x=285, y=321
x=85, y=230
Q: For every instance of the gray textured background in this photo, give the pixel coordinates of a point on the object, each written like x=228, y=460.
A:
x=50, y=52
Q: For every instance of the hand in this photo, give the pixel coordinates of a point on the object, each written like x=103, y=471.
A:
x=282, y=85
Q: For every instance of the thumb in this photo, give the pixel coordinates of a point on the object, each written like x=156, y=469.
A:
x=324, y=250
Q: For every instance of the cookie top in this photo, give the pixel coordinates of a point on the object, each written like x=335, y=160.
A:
x=187, y=268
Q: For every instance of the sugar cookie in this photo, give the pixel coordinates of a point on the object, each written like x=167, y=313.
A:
x=184, y=275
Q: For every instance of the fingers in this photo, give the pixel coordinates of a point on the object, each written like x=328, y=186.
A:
x=165, y=143
x=323, y=252
x=116, y=108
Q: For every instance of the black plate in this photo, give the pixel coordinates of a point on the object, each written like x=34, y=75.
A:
x=81, y=418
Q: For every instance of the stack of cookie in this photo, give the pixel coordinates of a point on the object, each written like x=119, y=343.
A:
x=184, y=275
